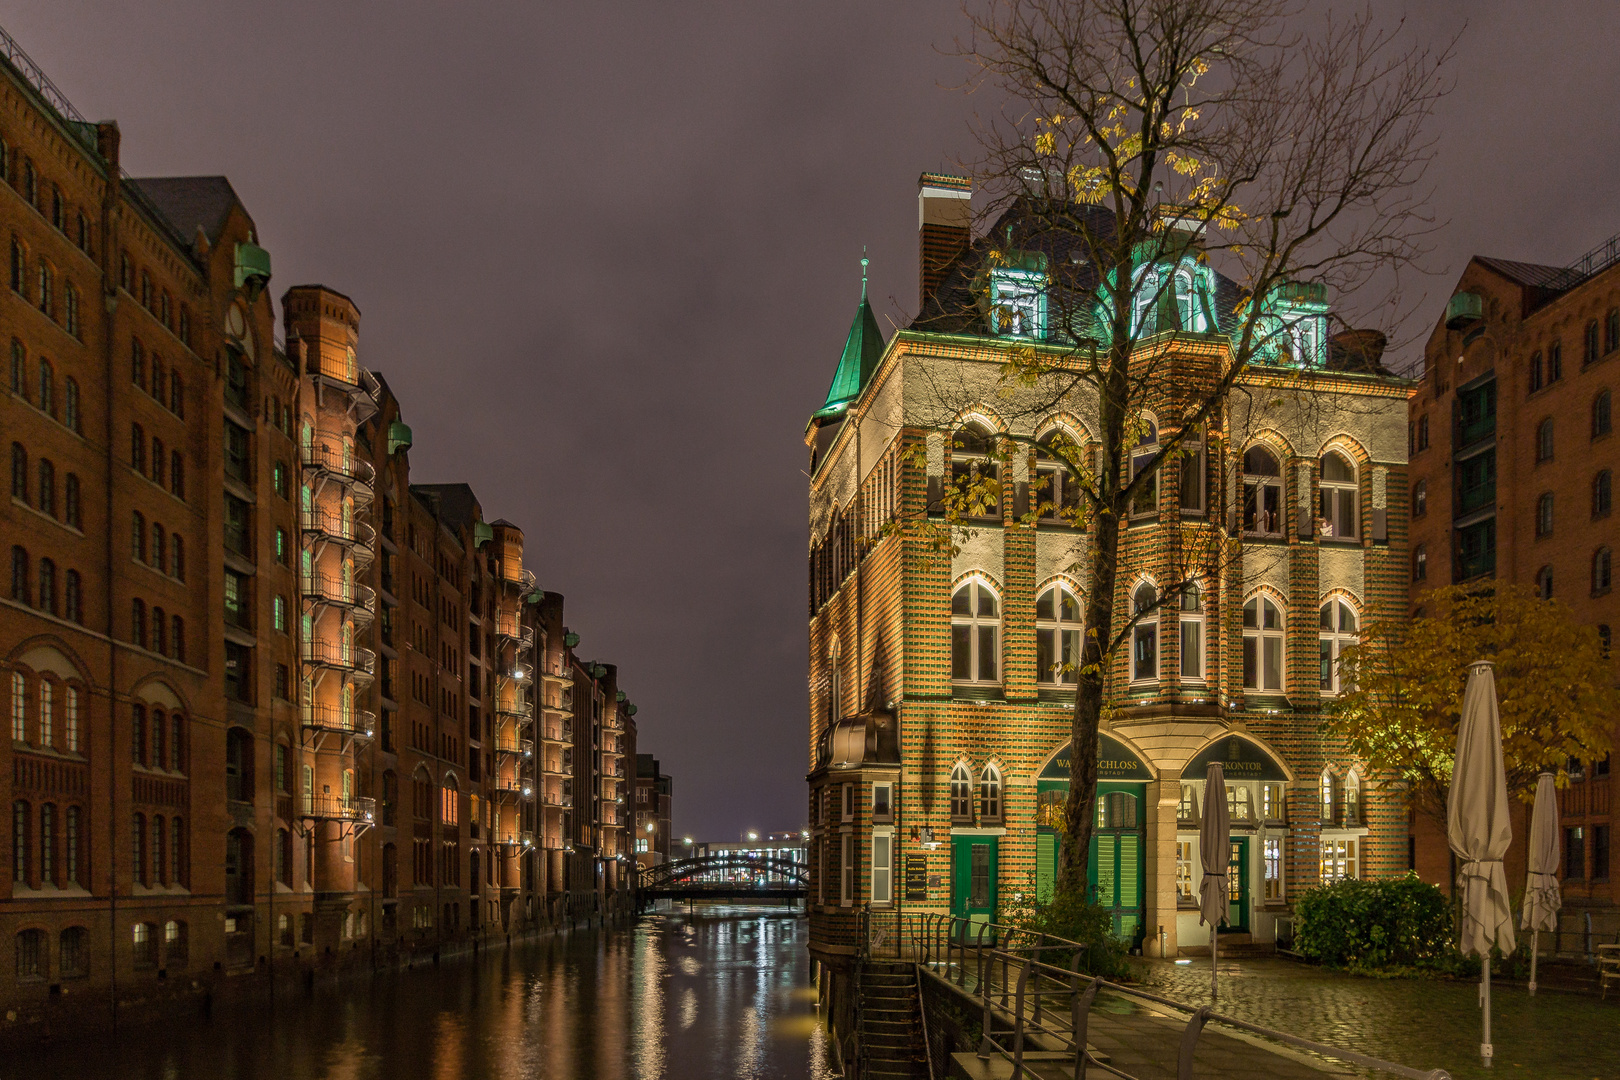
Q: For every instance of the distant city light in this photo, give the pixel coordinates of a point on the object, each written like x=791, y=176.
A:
x=687, y=841
x=753, y=836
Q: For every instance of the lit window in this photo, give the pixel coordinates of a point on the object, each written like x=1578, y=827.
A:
x=1338, y=629
x=1192, y=632
x=975, y=633
x=1057, y=490
x=882, y=868
x=1338, y=497
x=1338, y=860
x=1018, y=302
x=1262, y=493
x=961, y=794
x=1184, y=873
x=1057, y=636
x=1273, y=854
x=1262, y=645
x=975, y=472
x=1145, y=637
x=1352, y=799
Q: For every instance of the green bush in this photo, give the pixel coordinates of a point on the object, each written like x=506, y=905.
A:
x=1072, y=916
x=1378, y=923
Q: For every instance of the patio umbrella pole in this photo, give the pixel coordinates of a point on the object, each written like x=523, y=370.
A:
x=1486, y=1052
x=1535, y=946
x=1213, y=938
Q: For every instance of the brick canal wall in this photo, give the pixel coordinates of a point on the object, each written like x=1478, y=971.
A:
x=953, y=1019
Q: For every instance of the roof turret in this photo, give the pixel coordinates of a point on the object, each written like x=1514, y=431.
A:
x=862, y=351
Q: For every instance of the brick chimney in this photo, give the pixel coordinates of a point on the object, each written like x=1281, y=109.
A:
x=944, y=227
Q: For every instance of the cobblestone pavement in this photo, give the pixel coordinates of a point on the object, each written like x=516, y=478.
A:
x=1420, y=1023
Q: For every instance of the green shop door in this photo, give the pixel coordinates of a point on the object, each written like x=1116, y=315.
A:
x=1118, y=851
x=1237, y=885
x=973, y=878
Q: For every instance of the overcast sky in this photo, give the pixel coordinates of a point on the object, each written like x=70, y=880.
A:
x=607, y=253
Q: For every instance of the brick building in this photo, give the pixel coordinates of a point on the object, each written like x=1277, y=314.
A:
x=939, y=702
x=272, y=706
x=654, y=825
x=1513, y=456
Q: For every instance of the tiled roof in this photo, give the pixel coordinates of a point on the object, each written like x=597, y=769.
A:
x=191, y=202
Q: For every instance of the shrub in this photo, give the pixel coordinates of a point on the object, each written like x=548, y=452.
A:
x=1072, y=916
x=1381, y=923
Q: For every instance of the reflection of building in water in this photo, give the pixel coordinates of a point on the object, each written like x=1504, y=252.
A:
x=942, y=686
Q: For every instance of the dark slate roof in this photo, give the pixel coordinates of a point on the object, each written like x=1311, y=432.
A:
x=190, y=202
x=456, y=503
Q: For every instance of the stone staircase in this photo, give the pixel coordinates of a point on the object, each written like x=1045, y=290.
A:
x=890, y=1023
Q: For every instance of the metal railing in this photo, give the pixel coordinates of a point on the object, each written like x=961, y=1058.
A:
x=328, y=807
x=333, y=526
x=1034, y=995
x=361, y=722
x=326, y=458
x=509, y=744
x=555, y=732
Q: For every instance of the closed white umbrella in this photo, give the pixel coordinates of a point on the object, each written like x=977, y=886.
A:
x=1214, y=852
x=1479, y=831
x=1541, y=896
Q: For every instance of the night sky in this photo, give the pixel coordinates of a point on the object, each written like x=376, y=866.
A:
x=606, y=254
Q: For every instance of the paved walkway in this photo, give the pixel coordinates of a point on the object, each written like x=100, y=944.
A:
x=1421, y=1023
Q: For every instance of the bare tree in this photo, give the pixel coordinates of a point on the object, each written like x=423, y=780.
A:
x=1290, y=151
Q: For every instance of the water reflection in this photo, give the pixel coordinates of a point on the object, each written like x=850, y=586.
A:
x=724, y=992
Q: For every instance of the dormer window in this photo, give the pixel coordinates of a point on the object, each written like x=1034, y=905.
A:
x=1018, y=303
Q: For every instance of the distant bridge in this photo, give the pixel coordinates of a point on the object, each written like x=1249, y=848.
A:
x=733, y=876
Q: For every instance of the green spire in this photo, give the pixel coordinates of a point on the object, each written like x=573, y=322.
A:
x=862, y=350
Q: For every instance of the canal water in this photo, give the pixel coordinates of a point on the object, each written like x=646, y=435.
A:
x=724, y=992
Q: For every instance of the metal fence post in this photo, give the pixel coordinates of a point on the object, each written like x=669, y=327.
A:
x=1189, y=1043
x=1018, y=1022
x=1080, y=1016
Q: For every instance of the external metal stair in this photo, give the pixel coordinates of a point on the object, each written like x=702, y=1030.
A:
x=890, y=1023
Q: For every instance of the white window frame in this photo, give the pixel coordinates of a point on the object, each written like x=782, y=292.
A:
x=1145, y=503
x=1328, y=802
x=1191, y=623
x=846, y=869
x=1061, y=491
x=1255, y=488
x=1274, y=870
x=1018, y=303
x=1186, y=892
x=1273, y=801
x=1339, y=501
x=1333, y=636
x=1146, y=629
x=1060, y=635
x=882, y=866
x=1263, y=639
x=961, y=793
x=976, y=588
x=885, y=810
x=1341, y=857
x=1192, y=467
x=849, y=804
x=1240, y=804
x=1352, y=816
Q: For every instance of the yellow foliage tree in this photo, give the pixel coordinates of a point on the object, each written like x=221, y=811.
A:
x=1555, y=687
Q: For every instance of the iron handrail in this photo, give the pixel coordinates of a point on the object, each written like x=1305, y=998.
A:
x=935, y=938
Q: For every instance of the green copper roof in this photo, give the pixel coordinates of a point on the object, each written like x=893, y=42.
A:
x=862, y=351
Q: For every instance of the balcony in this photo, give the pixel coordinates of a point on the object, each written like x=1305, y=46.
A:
x=552, y=798
x=361, y=723
x=336, y=528
x=512, y=746
x=557, y=731
x=325, y=589
x=337, y=463
x=522, y=674
x=329, y=807
x=523, y=579
x=521, y=839
x=514, y=785
x=550, y=766
x=522, y=710
x=332, y=654
x=562, y=675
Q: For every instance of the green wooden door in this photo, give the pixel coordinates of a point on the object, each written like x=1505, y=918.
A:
x=1117, y=856
x=1237, y=885
x=973, y=878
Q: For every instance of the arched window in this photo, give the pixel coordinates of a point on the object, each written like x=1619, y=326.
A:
x=1591, y=343
x=19, y=707
x=1601, y=571
x=1329, y=803
x=20, y=584
x=73, y=954
x=1602, y=494
x=1420, y=498
x=1192, y=632
x=1340, y=495
x=137, y=622
x=1602, y=414
x=32, y=962
x=1262, y=645
x=1262, y=493
x=1058, y=492
x=1352, y=799
x=137, y=448
x=21, y=830
x=72, y=512
x=47, y=586
x=1544, y=583
x=961, y=794
x=1145, y=636
x=73, y=598
x=19, y=472
x=1146, y=500
x=1192, y=472
x=975, y=472
x=47, y=387
x=70, y=308
x=1611, y=331
x=138, y=849
x=1420, y=562
x=175, y=944
x=1555, y=362
x=990, y=795
x=835, y=685
x=47, y=289
x=19, y=365
x=975, y=633
x=47, y=487
x=1544, y=514
x=1338, y=630
x=239, y=766
x=1057, y=636
x=70, y=407
x=1544, y=440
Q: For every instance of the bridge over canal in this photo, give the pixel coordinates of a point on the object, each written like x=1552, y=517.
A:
x=731, y=876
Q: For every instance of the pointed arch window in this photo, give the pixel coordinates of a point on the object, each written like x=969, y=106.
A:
x=1192, y=473
x=1338, y=629
x=1262, y=493
x=1057, y=636
x=835, y=684
x=1544, y=583
x=1339, y=497
x=1146, y=500
x=1058, y=491
x=1352, y=799
x=1602, y=571
x=990, y=795
x=1602, y=414
x=1192, y=632
x=1262, y=645
x=1602, y=494
x=961, y=794
x=975, y=633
